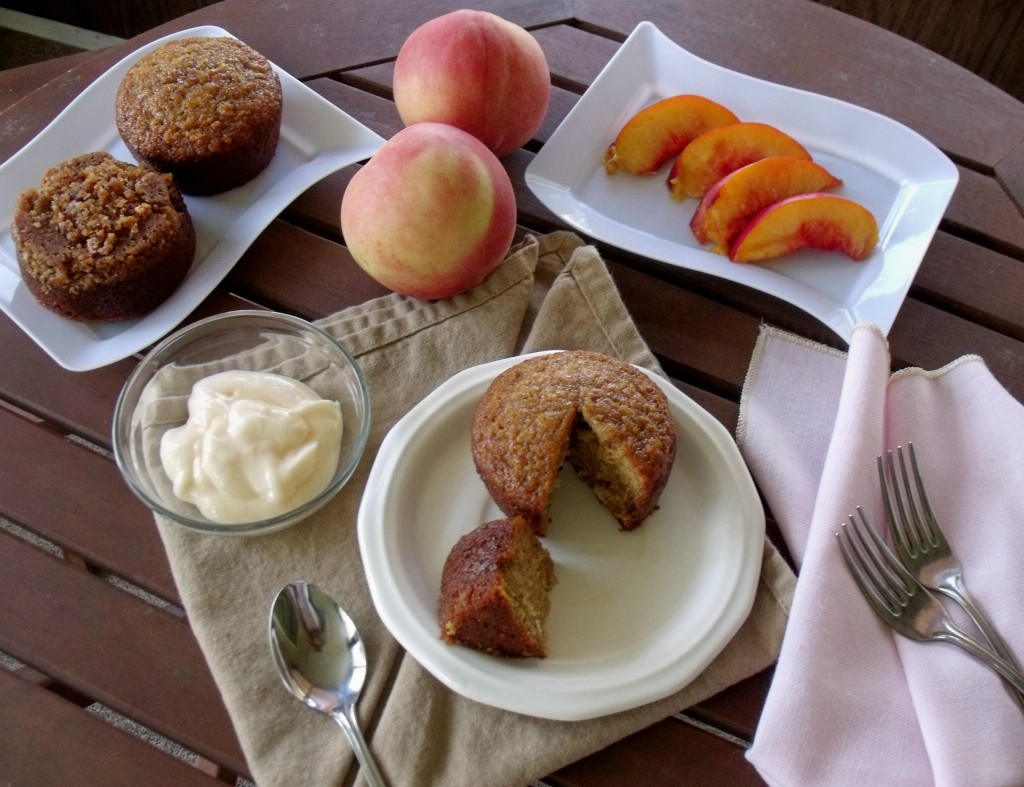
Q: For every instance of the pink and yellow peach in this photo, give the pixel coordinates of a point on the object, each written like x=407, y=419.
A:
x=431, y=214
x=478, y=72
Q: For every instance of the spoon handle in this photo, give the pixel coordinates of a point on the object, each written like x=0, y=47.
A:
x=346, y=719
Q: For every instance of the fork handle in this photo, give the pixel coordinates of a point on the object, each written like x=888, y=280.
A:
x=986, y=656
x=955, y=589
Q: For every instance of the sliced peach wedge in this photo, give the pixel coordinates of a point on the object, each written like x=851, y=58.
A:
x=656, y=134
x=721, y=150
x=818, y=221
x=742, y=194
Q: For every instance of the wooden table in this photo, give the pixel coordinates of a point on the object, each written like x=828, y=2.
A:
x=88, y=610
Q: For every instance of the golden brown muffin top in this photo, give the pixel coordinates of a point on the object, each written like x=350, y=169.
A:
x=91, y=217
x=521, y=425
x=197, y=95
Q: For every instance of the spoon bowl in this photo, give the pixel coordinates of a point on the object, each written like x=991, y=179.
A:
x=322, y=660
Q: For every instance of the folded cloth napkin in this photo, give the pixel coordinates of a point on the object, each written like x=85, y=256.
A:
x=551, y=292
x=852, y=702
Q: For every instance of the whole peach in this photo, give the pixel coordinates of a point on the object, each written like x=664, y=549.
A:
x=431, y=214
x=476, y=71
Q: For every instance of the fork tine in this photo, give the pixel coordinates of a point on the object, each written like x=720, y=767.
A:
x=930, y=530
x=910, y=534
x=912, y=512
x=893, y=580
x=859, y=571
x=898, y=581
x=893, y=504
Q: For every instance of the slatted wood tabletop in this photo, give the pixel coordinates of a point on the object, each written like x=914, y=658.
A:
x=89, y=614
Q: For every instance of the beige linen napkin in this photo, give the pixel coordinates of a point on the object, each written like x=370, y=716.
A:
x=852, y=703
x=550, y=293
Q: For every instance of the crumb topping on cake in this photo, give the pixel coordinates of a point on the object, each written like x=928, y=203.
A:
x=93, y=216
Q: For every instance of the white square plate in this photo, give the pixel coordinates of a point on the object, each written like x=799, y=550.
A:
x=317, y=138
x=902, y=178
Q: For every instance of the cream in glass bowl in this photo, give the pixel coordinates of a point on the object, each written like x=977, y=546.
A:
x=243, y=423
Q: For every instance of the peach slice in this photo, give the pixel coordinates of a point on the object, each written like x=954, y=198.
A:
x=721, y=150
x=744, y=193
x=817, y=221
x=655, y=135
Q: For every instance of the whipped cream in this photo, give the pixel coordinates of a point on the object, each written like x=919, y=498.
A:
x=255, y=445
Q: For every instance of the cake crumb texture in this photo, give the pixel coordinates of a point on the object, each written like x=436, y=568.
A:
x=102, y=239
x=605, y=417
x=207, y=110
x=494, y=590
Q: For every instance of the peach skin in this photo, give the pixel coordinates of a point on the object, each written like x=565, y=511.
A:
x=721, y=150
x=744, y=193
x=818, y=221
x=655, y=135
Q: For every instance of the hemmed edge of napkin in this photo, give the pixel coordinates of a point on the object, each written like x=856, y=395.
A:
x=765, y=333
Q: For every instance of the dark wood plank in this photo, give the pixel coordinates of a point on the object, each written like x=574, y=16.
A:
x=575, y=56
x=983, y=208
x=80, y=402
x=985, y=38
x=1010, y=172
x=95, y=516
x=666, y=754
x=33, y=111
x=737, y=709
x=923, y=336
x=113, y=648
x=17, y=83
x=298, y=272
x=712, y=343
x=79, y=747
x=974, y=283
x=116, y=19
x=337, y=33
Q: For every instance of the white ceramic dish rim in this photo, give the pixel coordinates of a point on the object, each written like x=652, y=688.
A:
x=317, y=138
x=895, y=172
x=546, y=688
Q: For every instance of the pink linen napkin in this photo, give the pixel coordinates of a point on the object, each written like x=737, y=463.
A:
x=853, y=703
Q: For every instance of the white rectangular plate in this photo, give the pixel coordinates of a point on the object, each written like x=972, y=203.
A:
x=317, y=138
x=902, y=178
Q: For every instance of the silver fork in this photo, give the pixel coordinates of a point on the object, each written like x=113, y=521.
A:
x=921, y=545
x=903, y=602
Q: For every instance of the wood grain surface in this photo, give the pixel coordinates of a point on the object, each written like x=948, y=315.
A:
x=89, y=614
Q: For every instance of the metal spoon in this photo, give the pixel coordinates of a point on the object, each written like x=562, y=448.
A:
x=322, y=660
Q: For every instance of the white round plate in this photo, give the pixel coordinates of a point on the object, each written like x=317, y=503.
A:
x=634, y=616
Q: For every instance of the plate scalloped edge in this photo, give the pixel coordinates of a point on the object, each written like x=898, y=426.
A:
x=899, y=175
x=396, y=573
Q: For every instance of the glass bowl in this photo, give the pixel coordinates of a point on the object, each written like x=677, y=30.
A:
x=154, y=399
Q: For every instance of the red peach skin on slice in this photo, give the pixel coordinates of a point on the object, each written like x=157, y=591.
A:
x=724, y=149
x=742, y=194
x=656, y=134
x=818, y=221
